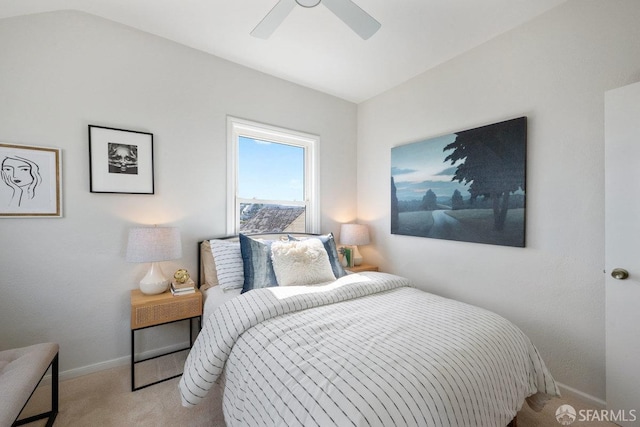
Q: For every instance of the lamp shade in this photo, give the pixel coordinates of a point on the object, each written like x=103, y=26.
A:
x=153, y=244
x=354, y=234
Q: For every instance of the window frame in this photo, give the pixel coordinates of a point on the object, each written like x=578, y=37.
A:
x=237, y=127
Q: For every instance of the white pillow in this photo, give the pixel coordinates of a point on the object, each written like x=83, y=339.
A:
x=228, y=261
x=303, y=262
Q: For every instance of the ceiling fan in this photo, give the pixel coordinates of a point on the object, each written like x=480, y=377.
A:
x=350, y=13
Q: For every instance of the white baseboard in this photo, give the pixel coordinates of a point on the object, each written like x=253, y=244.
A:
x=113, y=363
x=597, y=403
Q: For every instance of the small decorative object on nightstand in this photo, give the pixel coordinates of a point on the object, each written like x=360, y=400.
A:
x=362, y=267
x=152, y=310
x=182, y=283
x=181, y=276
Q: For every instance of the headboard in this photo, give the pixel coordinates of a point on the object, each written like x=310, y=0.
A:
x=205, y=258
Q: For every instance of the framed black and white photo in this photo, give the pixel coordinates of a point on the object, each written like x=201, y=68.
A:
x=31, y=181
x=120, y=161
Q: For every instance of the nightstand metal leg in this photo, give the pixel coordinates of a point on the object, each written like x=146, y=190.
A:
x=133, y=363
x=133, y=353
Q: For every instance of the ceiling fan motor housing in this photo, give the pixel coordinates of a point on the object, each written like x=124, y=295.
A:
x=308, y=3
x=350, y=13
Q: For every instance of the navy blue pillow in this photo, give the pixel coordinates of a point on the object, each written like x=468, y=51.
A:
x=329, y=243
x=258, y=267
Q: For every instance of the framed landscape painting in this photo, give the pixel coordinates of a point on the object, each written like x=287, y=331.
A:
x=31, y=181
x=467, y=186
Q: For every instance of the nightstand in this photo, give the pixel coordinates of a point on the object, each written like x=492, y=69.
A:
x=148, y=311
x=362, y=267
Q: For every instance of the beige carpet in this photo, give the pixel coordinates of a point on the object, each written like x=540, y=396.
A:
x=105, y=399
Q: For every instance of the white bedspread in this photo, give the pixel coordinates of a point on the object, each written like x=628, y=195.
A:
x=214, y=297
x=367, y=349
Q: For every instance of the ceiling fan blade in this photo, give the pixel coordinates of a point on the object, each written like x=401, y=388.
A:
x=352, y=15
x=274, y=18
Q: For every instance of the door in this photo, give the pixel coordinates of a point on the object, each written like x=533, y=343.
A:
x=622, y=252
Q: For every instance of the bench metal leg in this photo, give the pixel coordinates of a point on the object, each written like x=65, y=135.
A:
x=51, y=415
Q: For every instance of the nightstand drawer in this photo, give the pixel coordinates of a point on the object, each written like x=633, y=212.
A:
x=163, y=308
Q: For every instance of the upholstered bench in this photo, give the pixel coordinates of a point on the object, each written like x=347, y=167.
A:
x=21, y=370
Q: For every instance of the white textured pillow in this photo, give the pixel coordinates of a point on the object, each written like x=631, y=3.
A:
x=228, y=261
x=302, y=262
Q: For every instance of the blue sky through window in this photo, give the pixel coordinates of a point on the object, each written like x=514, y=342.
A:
x=270, y=171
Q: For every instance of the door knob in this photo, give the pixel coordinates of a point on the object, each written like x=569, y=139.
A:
x=619, y=273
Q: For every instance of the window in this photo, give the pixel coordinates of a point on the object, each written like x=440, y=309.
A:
x=272, y=179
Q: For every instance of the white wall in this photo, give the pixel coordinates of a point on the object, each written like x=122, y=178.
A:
x=66, y=280
x=554, y=70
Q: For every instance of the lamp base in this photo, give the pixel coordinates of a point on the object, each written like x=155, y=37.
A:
x=154, y=281
x=357, y=258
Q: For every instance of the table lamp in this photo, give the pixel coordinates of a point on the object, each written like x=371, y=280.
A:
x=354, y=235
x=154, y=244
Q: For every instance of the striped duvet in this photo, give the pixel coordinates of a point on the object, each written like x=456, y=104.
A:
x=365, y=350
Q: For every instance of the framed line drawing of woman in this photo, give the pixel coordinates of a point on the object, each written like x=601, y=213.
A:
x=30, y=184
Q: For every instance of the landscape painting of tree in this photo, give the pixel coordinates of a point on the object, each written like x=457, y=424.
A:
x=467, y=186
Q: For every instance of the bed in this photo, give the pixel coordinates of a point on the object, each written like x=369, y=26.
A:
x=355, y=349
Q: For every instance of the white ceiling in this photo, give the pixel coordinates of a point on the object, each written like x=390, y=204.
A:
x=313, y=47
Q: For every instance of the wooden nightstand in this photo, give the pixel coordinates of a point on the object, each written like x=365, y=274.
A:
x=148, y=311
x=362, y=267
